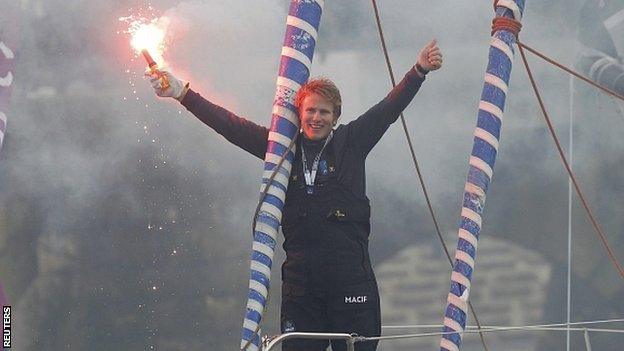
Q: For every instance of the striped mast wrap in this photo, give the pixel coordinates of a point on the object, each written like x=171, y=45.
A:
x=482, y=158
x=9, y=30
x=9, y=40
x=294, y=70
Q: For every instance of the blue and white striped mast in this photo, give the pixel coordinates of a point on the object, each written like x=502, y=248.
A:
x=9, y=40
x=482, y=159
x=302, y=25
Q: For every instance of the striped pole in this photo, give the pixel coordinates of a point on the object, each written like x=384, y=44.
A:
x=9, y=25
x=484, y=150
x=302, y=26
x=9, y=38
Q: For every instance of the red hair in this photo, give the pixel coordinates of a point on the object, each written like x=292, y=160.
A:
x=323, y=87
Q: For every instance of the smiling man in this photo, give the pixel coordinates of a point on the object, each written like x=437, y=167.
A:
x=317, y=101
x=328, y=284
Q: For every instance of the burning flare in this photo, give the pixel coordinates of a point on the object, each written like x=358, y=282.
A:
x=149, y=37
x=148, y=40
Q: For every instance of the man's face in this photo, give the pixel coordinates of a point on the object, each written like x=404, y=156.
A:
x=317, y=117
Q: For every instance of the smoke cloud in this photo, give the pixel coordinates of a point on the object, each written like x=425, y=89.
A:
x=127, y=204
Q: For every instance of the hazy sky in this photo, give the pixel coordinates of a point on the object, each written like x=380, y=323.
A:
x=84, y=122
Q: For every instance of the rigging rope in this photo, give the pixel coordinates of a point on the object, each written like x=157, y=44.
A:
x=269, y=183
x=570, y=71
x=591, y=322
x=408, y=137
x=416, y=165
x=498, y=23
x=484, y=330
x=592, y=218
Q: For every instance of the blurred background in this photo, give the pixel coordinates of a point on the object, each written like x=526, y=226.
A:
x=125, y=223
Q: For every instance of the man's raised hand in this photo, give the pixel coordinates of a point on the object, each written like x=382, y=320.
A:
x=177, y=88
x=430, y=57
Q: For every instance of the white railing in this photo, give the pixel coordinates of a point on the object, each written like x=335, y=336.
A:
x=350, y=339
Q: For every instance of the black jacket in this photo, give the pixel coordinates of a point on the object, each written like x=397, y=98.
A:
x=326, y=233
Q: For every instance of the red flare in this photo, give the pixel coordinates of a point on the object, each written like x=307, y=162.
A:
x=164, y=81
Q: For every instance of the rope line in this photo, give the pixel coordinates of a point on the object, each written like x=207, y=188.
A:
x=416, y=165
x=499, y=23
x=572, y=72
x=409, y=139
x=484, y=330
x=593, y=219
x=426, y=326
x=270, y=182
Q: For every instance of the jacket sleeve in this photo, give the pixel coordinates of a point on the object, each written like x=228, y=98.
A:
x=241, y=132
x=367, y=129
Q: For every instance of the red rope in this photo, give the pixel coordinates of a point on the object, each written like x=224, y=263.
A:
x=572, y=72
x=590, y=214
x=418, y=171
x=505, y=23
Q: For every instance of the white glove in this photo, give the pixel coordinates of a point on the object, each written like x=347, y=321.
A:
x=430, y=57
x=177, y=88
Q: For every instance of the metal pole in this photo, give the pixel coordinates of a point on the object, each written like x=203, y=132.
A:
x=350, y=339
x=350, y=345
x=570, y=150
x=587, y=343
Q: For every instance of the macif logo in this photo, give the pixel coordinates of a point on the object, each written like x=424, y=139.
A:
x=6, y=327
x=355, y=299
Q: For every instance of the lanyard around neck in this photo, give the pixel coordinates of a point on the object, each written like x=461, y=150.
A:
x=310, y=175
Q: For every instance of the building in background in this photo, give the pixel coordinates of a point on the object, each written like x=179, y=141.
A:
x=509, y=289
